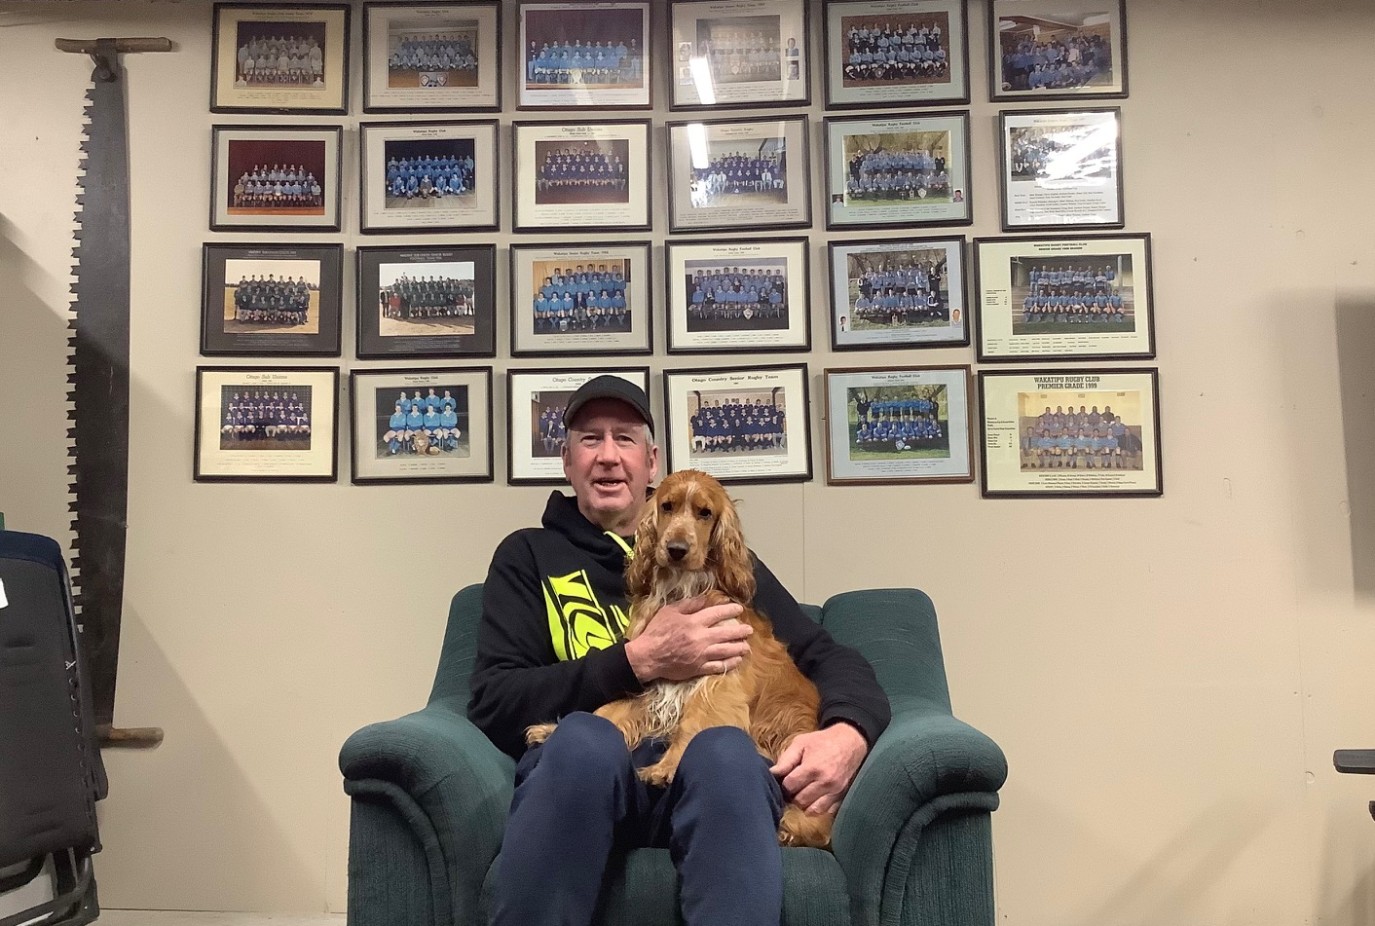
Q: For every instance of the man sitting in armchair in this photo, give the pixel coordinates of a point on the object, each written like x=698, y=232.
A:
x=549, y=648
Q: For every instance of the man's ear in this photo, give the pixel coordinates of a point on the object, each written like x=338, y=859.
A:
x=653, y=463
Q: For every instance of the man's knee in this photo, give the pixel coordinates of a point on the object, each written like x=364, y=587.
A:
x=726, y=752
x=585, y=748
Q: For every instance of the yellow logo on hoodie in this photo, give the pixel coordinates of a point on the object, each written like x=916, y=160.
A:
x=578, y=623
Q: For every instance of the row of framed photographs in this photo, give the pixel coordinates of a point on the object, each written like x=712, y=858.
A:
x=1060, y=169
x=884, y=425
x=446, y=57
x=1050, y=298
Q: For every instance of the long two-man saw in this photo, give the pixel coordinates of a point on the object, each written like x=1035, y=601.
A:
x=100, y=377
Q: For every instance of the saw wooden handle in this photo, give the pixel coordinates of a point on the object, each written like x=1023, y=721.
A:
x=88, y=46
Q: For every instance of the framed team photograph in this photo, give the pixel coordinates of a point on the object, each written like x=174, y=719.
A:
x=537, y=399
x=1057, y=49
x=898, y=172
x=890, y=425
x=898, y=293
x=740, y=424
x=431, y=57
x=428, y=176
x=742, y=174
x=258, y=424
x=584, y=176
x=896, y=53
x=1061, y=169
x=280, y=58
x=427, y=301
x=585, y=56
x=739, y=54
x=1075, y=433
x=413, y=425
x=742, y=296
x=1065, y=298
x=271, y=299
x=581, y=299
x=282, y=179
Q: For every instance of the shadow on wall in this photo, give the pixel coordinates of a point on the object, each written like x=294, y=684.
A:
x=1355, y=329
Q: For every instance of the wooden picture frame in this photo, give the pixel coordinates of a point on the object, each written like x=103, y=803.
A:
x=725, y=54
x=428, y=177
x=745, y=296
x=275, y=178
x=1061, y=169
x=581, y=299
x=899, y=293
x=535, y=433
x=896, y=53
x=565, y=65
x=739, y=174
x=582, y=176
x=1057, y=50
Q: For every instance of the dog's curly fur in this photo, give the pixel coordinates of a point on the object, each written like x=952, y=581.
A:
x=689, y=543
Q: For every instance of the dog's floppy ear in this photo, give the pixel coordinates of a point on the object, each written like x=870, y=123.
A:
x=734, y=567
x=639, y=573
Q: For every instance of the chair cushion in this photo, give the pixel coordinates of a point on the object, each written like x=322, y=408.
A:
x=642, y=890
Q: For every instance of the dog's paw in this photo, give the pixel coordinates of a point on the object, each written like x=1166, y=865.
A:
x=658, y=774
x=534, y=735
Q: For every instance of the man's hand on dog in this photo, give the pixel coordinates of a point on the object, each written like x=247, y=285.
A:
x=689, y=639
x=816, y=769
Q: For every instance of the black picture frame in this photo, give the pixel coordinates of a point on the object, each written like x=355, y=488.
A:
x=846, y=90
x=916, y=197
x=540, y=206
x=240, y=153
x=423, y=320
x=778, y=269
x=1025, y=454
x=268, y=317
x=1094, y=16
x=306, y=86
x=429, y=206
x=1104, y=323
x=569, y=87
x=534, y=413
x=541, y=330
x=1031, y=202
x=774, y=191
x=696, y=81
x=435, y=91
x=458, y=450
x=919, y=324
x=734, y=450
x=251, y=446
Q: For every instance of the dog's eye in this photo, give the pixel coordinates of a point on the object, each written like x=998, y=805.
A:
x=704, y=513
x=667, y=507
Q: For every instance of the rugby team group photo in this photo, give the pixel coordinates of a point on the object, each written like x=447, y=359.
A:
x=1066, y=53
x=426, y=299
x=423, y=173
x=900, y=49
x=897, y=168
x=739, y=295
x=271, y=296
x=737, y=422
x=276, y=177
x=429, y=423
x=598, y=49
x=742, y=173
x=1090, y=294
x=420, y=56
x=1086, y=438
x=265, y=419
x=747, y=49
x=582, y=172
x=897, y=289
x=574, y=298
x=547, y=432
x=1056, y=153
x=275, y=55
x=898, y=422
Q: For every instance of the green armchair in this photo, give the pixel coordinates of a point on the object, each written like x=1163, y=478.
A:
x=912, y=841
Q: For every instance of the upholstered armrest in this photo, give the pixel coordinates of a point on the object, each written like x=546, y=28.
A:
x=925, y=764
x=453, y=774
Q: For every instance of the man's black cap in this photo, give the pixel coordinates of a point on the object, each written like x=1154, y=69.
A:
x=607, y=386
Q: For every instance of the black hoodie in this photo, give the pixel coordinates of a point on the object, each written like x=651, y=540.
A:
x=550, y=640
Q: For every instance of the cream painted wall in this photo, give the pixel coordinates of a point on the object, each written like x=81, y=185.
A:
x=1168, y=677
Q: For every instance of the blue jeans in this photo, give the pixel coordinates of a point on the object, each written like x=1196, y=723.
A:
x=578, y=799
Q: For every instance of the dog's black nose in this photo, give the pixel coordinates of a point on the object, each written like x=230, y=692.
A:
x=676, y=550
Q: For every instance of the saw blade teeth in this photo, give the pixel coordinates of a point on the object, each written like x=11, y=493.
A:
x=71, y=507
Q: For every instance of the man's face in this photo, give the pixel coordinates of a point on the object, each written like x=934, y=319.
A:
x=610, y=463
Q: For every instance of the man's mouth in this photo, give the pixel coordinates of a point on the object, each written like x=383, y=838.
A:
x=608, y=483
